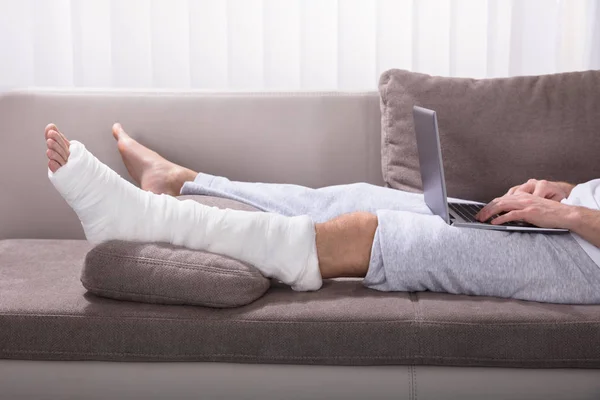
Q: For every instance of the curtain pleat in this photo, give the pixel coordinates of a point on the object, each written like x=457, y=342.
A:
x=592, y=58
x=208, y=45
x=131, y=43
x=319, y=33
x=394, y=35
x=282, y=41
x=431, y=30
x=52, y=43
x=246, y=44
x=357, y=44
x=16, y=44
x=468, y=38
x=287, y=44
x=170, y=43
x=499, y=28
x=92, y=51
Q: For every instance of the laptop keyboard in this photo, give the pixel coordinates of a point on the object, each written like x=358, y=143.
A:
x=468, y=212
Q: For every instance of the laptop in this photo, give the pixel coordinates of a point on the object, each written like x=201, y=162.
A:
x=459, y=214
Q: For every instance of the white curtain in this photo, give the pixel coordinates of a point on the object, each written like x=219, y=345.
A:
x=287, y=44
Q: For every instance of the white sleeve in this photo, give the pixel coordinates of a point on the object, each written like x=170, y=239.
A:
x=585, y=195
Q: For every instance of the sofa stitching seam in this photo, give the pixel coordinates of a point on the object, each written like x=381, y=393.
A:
x=184, y=265
x=89, y=287
x=4, y=350
x=410, y=383
x=417, y=322
x=400, y=322
x=180, y=265
x=415, y=392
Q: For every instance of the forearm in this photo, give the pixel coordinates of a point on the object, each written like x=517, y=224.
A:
x=586, y=223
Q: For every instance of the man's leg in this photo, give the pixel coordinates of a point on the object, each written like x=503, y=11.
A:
x=409, y=252
x=344, y=245
x=281, y=247
x=414, y=252
x=149, y=169
x=158, y=175
x=320, y=204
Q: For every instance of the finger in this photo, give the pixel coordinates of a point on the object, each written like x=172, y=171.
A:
x=53, y=145
x=512, y=190
x=541, y=189
x=516, y=215
x=482, y=212
x=485, y=212
x=528, y=187
x=502, y=204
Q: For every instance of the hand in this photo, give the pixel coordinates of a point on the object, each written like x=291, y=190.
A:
x=550, y=190
x=520, y=206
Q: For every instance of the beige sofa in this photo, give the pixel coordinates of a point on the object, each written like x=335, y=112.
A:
x=313, y=139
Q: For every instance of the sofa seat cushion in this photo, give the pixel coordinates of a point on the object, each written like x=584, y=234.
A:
x=46, y=314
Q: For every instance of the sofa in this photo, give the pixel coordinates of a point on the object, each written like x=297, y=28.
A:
x=58, y=341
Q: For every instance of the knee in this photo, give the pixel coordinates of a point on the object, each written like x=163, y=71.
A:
x=358, y=229
x=344, y=244
x=366, y=223
x=355, y=225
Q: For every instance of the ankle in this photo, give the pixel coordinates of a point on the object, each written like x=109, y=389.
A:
x=179, y=176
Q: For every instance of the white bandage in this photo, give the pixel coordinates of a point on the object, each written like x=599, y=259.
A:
x=109, y=207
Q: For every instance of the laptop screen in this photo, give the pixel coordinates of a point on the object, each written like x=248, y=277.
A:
x=430, y=160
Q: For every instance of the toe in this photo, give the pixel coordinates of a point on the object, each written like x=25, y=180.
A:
x=53, y=128
x=116, y=129
x=54, y=156
x=53, y=165
x=49, y=127
x=65, y=140
x=54, y=145
x=60, y=140
x=118, y=132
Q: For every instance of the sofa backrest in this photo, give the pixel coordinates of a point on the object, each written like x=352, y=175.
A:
x=312, y=139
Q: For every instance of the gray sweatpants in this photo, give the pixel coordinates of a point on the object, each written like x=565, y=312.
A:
x=416, y=251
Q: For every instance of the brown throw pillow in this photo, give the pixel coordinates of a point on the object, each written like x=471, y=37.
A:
x=167, y=274
x=494, y=133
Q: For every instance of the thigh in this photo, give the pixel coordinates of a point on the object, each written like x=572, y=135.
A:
x=320, y=204
x=418, y=252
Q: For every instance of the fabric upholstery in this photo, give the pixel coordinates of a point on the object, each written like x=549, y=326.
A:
x=494, y=133
x=167, y=274
x=46, y=314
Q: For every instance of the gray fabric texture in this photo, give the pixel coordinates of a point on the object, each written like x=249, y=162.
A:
x=494, y=133
x=46, y=314
x=167, y=274
x=416, y=251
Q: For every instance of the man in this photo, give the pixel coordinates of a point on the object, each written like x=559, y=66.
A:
x=386, y=236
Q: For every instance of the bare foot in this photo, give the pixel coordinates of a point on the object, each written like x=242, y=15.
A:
x=58, y=147
x=151, y=171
